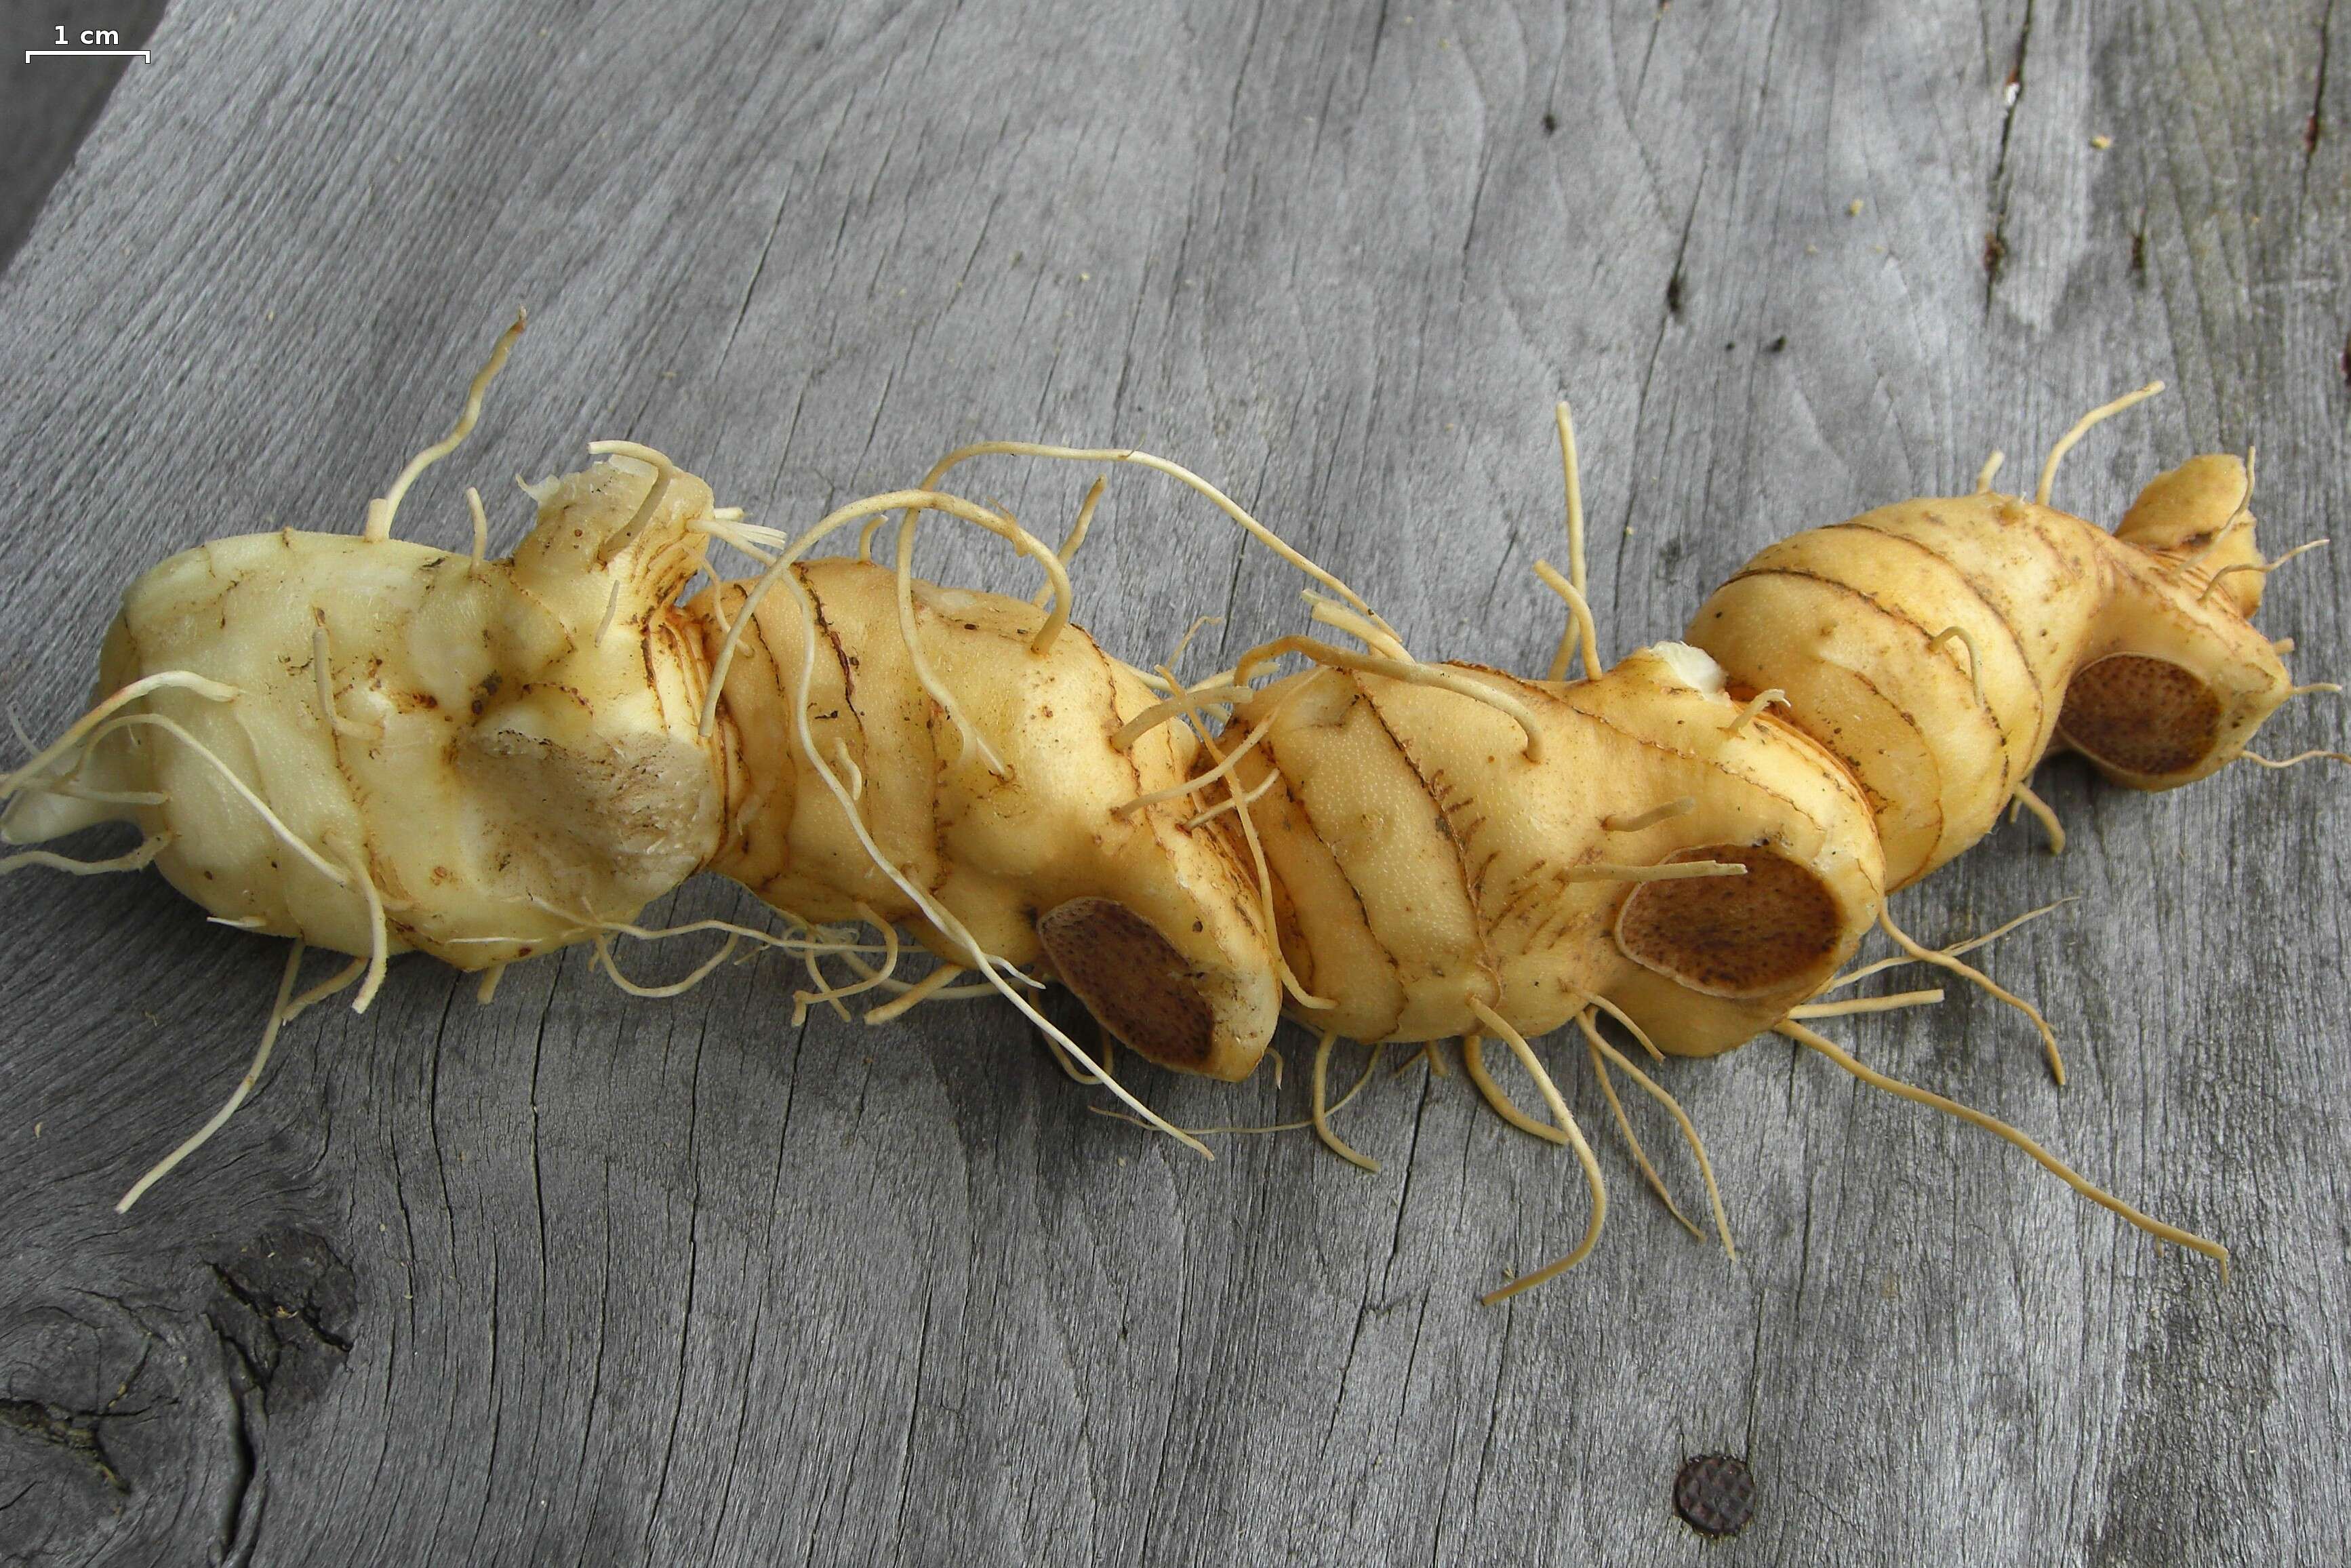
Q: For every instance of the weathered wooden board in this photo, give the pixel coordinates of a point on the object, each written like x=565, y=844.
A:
x=573, y=1276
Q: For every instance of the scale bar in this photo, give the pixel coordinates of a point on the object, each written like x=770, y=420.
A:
x=143, y=54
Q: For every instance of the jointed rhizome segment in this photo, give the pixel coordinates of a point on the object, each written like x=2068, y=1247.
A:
x=369, y=745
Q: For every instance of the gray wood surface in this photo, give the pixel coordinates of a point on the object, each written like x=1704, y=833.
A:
x=577, y=1277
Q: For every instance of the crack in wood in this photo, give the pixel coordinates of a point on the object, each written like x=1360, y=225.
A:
x=2314, y=128
x=1995, y=250
x=74, y=1431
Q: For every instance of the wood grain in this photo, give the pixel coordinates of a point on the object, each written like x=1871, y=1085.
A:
x=574, y=1277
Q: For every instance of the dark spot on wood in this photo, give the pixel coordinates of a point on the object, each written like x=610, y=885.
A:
x=2138, y=257
x=1549, y=123
x=1778, y=345
x=1674, y=293
x=1715, y=1494
x=1995, y=253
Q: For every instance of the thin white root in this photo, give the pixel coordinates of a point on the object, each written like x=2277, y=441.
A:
x=1231, y=802
x=873, y=980
x=281, y=1012
x=2259, y=569
x=161, y=680
x=481, y=524
x=1681, y=1119
x=1224, y=765
x=1681, y=807
x=1068, y=1068
x=1240, y=804
x=1160, y=713
x=611, y=613
x=1582, y=635
x=1336, y=1106
x=1068, y=551
x=1632, y=1139
x=1985, y=475
x=1473, y=1062
x=379, y=933
x=285, y=835
x=2049, y=1162
x=380, y=511
x=823, y=992
x=1443, y=677
x=819, y=938
x=849, y=766
x=2082, y=427
x=1428, y=1053
x=677, y=989
x=319, y=669
x=1676, y=871
x=1566, y=1119
x=1984, y=982
x=2042, y=814
x=915, y=995
x=1953, y=951
x=1753, y=705
x=1322, y=1129
x=2296, y=760
x=2329, y=688
x=1176, y=471
x=1325, y=611
x=1573, y=472
x=639, y=520
x=1191, y=631
x=1885, y=1004
x=1966, y=640
x=1636, y=1030
x=488, y=989
x=153, y=845
x=966, y=731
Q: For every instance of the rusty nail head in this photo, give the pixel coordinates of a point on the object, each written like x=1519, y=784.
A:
x=1715, y=1493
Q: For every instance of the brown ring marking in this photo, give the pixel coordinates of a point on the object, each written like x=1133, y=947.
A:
x=2140, y=713
x=1732, y=936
